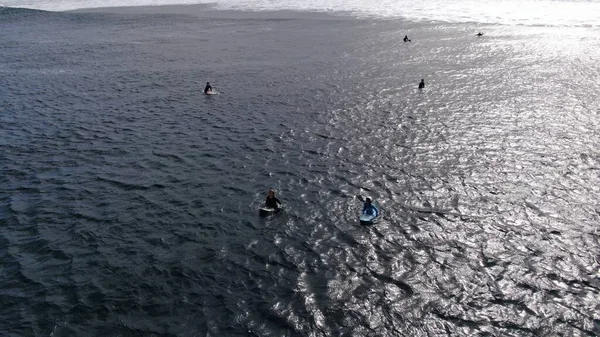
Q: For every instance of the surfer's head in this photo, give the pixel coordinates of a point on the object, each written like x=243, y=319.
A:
x=368, y=200
x=271, y=193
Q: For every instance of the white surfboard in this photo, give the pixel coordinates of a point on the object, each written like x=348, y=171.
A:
x=264, y=210
x=367, y=218
x=211, y=93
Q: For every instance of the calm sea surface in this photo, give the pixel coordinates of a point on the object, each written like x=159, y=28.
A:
x=128, y=200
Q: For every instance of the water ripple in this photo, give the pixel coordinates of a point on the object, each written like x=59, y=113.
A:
x=128, y=200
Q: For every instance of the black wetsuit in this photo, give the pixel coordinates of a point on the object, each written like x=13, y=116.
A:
x=272, y=202
x=207, y=88
x=421, y=85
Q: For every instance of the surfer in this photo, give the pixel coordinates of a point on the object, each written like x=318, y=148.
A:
x=406, y=39
x=480, y=34
x=271, y=200
x=422, y=84
x=207, y=88
x=369, y=208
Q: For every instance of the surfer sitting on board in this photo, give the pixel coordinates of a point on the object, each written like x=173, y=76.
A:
x=272, y=201
x=406, y=39
x=208, y=88
x=369, y=208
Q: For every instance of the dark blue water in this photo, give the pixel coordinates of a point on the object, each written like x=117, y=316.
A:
x=128, y=200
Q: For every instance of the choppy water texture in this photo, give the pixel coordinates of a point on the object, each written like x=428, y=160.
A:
x=128, y=200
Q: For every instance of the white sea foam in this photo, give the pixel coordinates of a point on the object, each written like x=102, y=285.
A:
x=525, y=12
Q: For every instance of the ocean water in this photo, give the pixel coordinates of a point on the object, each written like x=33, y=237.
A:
x=566, y=13
x=128, y=200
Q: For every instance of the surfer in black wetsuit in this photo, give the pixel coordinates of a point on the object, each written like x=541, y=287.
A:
x=272, y=201
x=422, y=84
x=406, y=39
x=207, y=88
x=480, y=34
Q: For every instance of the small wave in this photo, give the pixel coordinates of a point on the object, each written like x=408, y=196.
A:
x=128, y=186
x=18, y=11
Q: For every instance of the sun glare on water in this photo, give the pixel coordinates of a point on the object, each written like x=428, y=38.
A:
x=528, y=12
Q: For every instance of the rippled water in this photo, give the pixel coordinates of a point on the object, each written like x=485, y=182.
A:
x=128, y=201
x=569, y=13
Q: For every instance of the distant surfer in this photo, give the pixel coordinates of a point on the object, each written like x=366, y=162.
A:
x=422, y=84
x=207, y=88
x=369, y=208
x=272, y=201
x=480, y=34
x=406, y=39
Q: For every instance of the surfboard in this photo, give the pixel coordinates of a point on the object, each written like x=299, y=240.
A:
x=367, y=218
x=264, y=210
x=211, y=93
